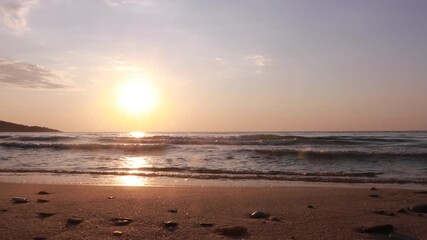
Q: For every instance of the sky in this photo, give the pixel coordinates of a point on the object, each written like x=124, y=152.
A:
x=240, y=65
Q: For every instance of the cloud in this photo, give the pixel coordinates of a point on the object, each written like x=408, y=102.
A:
x=220, y=60
x=259, y=60
x=14, y=13
x=28, y=75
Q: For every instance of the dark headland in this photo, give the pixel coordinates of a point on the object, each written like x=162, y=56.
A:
x=13, y=127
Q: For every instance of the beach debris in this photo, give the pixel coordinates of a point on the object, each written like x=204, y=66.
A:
x=420, y=208
x=206, y=224
x=232, y=230
x=19, y=200
x=170, y=225
x=402, y=210
x=379, y=229
x=121, y=221
x=45, y=214
x=259, y=214
x=374, y=189
x=173, y=210
x=42, y=200
x=74, y=220
x=381, y=212
x=43, y=193
x=421, y=192
x=374, y=196
x=111, y=197
x=117, y=233
x=39, y=238
x=310, y=206
x=274, y=219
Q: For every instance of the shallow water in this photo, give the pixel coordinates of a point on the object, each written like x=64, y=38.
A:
x=345, y=157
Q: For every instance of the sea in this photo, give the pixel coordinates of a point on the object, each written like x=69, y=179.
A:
x=217, y=159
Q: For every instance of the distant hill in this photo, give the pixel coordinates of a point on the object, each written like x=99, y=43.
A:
x=13, y=127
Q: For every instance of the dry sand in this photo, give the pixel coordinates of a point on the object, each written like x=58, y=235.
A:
x=336, y=212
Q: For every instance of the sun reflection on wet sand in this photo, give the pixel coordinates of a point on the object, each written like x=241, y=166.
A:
x=132, y=181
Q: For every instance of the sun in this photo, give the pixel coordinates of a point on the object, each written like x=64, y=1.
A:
x=137, y=97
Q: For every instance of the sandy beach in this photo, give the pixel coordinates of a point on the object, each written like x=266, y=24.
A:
x=96, y=212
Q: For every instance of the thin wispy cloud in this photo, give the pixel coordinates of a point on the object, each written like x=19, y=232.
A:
x=220, y=60
x=259, y=61
x=28, y=75
x=14, y=14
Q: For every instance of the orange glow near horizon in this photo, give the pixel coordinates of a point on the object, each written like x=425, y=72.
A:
x=137, y=97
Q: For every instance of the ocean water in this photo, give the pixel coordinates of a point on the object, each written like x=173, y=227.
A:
x=141, y=158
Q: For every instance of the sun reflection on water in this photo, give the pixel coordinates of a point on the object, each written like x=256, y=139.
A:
x=134, y=166
x=137, y=134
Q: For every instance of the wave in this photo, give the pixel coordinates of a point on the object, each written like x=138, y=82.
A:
x=284, y=176
x=257, y=139
x=88, y=147
x=43, y=138
x=333, y=153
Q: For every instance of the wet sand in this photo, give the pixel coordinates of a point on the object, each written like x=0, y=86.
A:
x=87, y=212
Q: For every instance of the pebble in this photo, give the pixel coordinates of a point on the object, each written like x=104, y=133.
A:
x=43, y=193
x=259, y=214
x=374, y=196
x=382, y=229
x=420, y=208
x=117, y=233
x=170, y=225
x=42, y=200
x=374, y=189
x=3, y=210
x=45, y=214
x=19, y=200
x=206, y=224
x=110, y=197
x=121, y=221
x=381, y=212
x=74, y=220
x=173, y=211
x=310, y=206
x=274, y=219
x=402, y=210
x=232, y=230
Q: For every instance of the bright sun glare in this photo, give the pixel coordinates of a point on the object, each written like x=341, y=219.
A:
x=137, y=97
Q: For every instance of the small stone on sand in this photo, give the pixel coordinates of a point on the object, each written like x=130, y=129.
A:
x=420, y=208
x=45, y=214
x=374, y=196
x=42, y=200
x=3, y=210
x=310, y=206
x=274, y=219
x=259, y=214
x=206, y=224
x=74, y=220
x=170, y=225
x=380, y=229
x=117, y=233
x=402, y=210
x=43, y=193
x=110, y=197
x=19, y=200
x=374, y=189
x=172, y=210
x=121, y=221
x=232, y=230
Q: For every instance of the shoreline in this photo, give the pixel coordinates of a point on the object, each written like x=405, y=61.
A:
x=302, y=212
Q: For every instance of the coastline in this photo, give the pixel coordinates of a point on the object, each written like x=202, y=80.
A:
x=332, y=212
